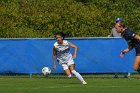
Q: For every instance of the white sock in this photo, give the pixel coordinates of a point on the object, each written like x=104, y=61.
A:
x=69, y=76
x=78, y=75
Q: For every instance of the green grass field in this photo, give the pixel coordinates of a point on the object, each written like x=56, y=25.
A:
x=64, y=85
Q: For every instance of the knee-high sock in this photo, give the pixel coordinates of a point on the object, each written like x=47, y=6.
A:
x=78, y=75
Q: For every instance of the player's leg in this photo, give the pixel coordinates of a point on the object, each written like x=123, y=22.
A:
x=72, y=69
x=67, y=71
x=137, y=64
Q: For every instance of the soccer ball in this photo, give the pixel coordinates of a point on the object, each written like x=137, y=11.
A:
x=46, y=71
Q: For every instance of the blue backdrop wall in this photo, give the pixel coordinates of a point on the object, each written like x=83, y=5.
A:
x=95, y=55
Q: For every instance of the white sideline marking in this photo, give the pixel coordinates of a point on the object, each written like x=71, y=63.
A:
x=66, y=86
x=55, y=87
x=88, y=86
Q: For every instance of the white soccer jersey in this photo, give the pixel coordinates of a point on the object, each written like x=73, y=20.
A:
x=63, y=52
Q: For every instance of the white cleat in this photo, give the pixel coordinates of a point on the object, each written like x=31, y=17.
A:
x=84, y=83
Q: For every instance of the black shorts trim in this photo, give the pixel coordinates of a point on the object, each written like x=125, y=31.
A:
x=137, y=54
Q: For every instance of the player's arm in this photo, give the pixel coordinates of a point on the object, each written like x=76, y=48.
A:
x=54, y=58
x=75, y=49
x=126, y=50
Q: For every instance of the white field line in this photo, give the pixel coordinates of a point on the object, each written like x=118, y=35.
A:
x=59, y=87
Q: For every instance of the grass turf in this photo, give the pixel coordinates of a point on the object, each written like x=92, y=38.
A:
x=63, y=85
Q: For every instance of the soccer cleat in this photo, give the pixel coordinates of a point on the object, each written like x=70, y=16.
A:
x=84, y=83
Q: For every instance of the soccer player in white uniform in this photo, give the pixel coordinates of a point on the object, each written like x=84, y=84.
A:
x=61, y=52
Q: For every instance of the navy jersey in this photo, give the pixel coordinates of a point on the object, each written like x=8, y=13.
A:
x=129, y=35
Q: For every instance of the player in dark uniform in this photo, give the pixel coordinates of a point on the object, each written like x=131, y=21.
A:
x=133, y=41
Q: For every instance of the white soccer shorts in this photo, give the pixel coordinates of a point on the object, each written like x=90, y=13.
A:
x=66, y=65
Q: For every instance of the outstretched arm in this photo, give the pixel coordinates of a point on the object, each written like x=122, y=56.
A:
x=125, y=51
x=75, y=49
x=134, y=36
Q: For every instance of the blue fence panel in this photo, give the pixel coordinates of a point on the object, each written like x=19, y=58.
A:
x=101, y=55
x=95, y=55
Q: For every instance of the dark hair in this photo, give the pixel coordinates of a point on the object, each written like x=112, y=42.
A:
x=61, y=34
x=118, y=21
